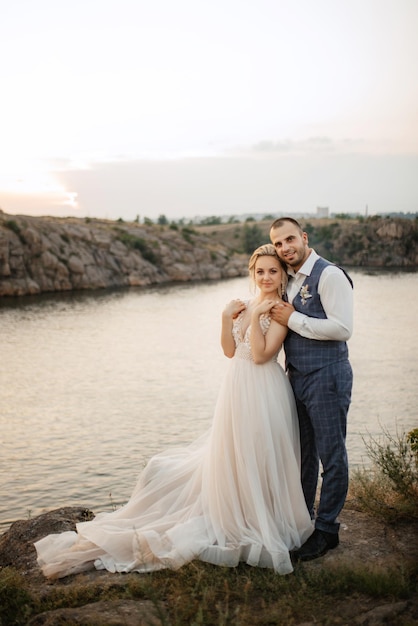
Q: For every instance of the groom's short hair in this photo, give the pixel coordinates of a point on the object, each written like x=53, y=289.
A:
x=282, y=220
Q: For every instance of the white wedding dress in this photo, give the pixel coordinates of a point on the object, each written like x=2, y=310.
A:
x=233, y=495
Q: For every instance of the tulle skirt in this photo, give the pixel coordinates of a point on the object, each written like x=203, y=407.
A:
x=232, y=495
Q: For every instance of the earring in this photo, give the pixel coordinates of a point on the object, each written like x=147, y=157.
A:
x=283, y=288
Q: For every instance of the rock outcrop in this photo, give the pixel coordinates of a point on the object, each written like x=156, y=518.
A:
x=374, y=242
x=45, y=254
x=16, y=544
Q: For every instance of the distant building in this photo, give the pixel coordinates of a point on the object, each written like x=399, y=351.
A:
x=322, y=211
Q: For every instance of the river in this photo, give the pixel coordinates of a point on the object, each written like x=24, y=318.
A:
x=92, y=384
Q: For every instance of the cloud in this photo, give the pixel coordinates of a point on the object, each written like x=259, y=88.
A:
x=345, y=182
x=313, y=144
x=266, y=177
x=317, y=145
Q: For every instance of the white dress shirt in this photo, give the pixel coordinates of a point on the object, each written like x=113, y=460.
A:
x=336, y=298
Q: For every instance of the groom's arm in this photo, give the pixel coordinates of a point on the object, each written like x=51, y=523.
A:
x=336, y=296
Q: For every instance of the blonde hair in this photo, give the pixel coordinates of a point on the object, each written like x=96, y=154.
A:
x=267, y=250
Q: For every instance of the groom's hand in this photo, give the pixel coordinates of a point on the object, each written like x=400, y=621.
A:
x=281, y=312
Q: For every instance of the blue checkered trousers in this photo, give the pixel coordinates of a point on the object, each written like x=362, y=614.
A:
x=321, y=377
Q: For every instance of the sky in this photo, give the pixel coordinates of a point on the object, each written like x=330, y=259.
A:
x=185, y=108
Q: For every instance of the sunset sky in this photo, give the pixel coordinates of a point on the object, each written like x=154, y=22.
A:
x=119, y=108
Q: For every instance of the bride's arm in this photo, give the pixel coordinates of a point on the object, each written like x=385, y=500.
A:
x=231, y=311
x=264, y=347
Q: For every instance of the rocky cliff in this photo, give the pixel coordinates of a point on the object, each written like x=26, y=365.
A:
x=41, y=254
x=380, y=242
x=374, y=242
x=44, y=254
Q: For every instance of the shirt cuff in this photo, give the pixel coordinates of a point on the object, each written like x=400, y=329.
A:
x=297, y=321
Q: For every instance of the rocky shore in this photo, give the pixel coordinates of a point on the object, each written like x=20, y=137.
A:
x=46, y=254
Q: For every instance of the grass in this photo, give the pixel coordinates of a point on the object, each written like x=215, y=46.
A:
x=203, y=594
x=389, y=489
x=16, y=602
x=137, y=243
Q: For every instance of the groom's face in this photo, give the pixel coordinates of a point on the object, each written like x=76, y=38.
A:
x=291, y=245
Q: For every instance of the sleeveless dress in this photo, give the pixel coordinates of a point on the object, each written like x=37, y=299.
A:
x=232, y=495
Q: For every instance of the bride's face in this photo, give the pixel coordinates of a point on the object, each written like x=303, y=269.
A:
x=268, y=275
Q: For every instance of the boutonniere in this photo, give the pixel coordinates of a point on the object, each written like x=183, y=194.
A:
x=304, y=294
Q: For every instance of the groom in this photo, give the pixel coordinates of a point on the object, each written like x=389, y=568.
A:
x=319, y=315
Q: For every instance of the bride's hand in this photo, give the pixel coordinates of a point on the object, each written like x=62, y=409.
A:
x=234, y=308
x=265, y=306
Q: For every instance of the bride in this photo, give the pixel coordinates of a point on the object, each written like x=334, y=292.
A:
x=232, y=495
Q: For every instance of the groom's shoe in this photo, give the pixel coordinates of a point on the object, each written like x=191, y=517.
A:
x=317, y=545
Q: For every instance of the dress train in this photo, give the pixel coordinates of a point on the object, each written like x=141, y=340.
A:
x=232, y=495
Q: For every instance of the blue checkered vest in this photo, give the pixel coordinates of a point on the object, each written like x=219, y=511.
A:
x=309, y=355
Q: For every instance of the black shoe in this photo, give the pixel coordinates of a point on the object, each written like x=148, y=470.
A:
x=317, y=545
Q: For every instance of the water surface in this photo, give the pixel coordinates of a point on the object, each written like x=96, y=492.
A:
x=91, y=385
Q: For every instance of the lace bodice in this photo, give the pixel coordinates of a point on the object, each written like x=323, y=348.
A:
x=242, y=342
